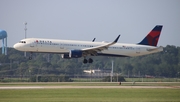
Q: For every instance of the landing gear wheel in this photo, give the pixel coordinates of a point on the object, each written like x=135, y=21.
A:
x=90, y=60
x=85, y=61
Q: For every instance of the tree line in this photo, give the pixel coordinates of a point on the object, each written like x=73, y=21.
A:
x=162, y=64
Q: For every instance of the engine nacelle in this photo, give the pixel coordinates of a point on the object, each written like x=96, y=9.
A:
x=66, y=56
x=75, y=53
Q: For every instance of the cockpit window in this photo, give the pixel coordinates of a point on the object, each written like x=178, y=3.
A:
x=22, y=42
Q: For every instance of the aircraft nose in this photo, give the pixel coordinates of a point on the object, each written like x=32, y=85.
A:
x=16, y=46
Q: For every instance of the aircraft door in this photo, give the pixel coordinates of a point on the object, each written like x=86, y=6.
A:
x=137, y=50
x=61, y=45
x=32, y=44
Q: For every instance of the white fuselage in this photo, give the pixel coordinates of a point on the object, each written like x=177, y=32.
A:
x=64, y=47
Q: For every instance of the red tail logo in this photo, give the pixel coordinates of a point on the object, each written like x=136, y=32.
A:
x=152, y=38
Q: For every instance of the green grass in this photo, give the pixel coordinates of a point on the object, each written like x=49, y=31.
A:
x=90, y=95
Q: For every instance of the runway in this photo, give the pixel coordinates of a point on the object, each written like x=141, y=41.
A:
x=92, y=85
x=76, y=87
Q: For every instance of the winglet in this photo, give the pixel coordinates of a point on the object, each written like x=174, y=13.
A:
x=115, y=41
x=101, y=47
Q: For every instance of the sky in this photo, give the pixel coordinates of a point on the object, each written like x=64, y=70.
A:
x=88, y=19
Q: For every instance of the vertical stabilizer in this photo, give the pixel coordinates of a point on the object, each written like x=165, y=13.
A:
x=152, y=38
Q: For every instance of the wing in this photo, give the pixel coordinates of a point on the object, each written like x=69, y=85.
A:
x=94, y=50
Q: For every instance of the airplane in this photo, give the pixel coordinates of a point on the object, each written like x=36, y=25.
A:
x=77, y=49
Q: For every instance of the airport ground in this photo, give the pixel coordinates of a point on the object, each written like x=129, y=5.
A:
x=90, y=92
x=93, y=79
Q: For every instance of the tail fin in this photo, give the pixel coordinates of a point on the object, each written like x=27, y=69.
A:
x=152, y=38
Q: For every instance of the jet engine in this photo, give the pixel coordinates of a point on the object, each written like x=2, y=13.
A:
x=75, y=54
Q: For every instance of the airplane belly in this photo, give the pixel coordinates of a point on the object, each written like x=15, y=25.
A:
x=119, y=52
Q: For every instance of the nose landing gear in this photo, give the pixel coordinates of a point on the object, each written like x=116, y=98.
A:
x=30, y=57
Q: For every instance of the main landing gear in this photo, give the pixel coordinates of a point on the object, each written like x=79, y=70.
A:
x=90, y=60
